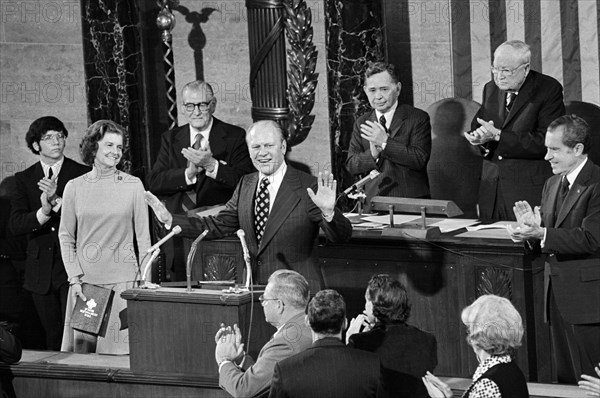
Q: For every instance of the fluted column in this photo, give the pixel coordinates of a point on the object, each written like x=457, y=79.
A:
x=268, y=79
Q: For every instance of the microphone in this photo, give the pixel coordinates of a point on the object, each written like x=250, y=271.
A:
x=361, y=182
x=242, y=235
x=174, y=231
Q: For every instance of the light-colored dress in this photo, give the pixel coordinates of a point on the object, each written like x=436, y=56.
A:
x=102, y=214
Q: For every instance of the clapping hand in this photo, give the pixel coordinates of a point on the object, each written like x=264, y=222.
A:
x=159, y=208
x=326, y=191
x=435, y=387
x=357, y=325
x=373, y=132
x=484, y=133
x=48, y=185
x=591, y=384
x=46, y=206
x=229, y=344
x=529, y=223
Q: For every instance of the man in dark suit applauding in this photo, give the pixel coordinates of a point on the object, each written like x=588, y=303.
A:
x=35, y=212
x=517, y=107
x=328, y=368
x=279, y=207
x=566, y=229
x=393, y=138
x=199, y=164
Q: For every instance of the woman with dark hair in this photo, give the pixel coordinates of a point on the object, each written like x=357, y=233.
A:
x=406, y=352
x=103, y=212
x=494, y=331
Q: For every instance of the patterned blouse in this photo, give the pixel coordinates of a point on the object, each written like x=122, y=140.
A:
x=486, y=388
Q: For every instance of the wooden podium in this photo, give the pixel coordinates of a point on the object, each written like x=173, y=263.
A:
x=172, y=331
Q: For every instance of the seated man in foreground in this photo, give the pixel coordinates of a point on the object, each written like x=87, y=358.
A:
x=328, y=368
x=284, y=303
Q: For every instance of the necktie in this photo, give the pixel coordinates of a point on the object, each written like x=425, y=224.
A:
x=50, y=172
x=198, y=141
x=189, y=200
x=510, y=100
x=562, y=194
x=383, y=122
x=261, y=208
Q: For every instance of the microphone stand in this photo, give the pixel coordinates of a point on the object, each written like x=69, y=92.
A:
x=190, y=258
x=155, y=254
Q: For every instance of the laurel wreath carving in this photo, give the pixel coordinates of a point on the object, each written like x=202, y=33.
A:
x=302, y=62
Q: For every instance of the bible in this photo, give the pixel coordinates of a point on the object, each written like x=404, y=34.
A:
x=92, y=315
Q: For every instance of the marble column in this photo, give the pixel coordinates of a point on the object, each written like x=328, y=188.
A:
x=355, y=36
x=113, y=71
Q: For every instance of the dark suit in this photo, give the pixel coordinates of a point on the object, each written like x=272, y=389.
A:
x=167, y=178
x=406, y=354
x=403, y=162
x=45, y=274
x=290, y=237
x=327, y=369
x=515, y=168
x=572, y=247
x=228, y=146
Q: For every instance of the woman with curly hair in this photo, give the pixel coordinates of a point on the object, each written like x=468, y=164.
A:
x=494, y=331
x=103, y=212
x=406, y=352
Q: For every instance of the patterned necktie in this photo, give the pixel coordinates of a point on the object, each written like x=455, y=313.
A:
x=383, y=122
x=189, y=199
x=510, y=100
x=562, y=194
x=261, y=208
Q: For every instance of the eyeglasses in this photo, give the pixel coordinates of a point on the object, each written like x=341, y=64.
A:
x=202, y=106
x=53, y=137
x=262, y=299
x=505, y=72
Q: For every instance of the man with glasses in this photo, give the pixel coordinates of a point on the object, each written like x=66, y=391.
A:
x=284, y=302
x=509, y=128
x=199, y=164
x=35, y=212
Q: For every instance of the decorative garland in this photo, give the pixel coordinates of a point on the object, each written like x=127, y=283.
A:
x=302, y=61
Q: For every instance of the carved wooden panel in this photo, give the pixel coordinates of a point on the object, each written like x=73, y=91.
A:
x=492, y=280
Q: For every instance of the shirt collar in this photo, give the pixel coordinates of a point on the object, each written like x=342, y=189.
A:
x=55, y=167
x=205, y=133
x=489, y=363
x=389, y=115
x=572, y=176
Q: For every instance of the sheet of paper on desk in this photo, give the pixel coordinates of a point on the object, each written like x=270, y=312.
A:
x=496, y=225
x=498, y=231
x=398, y=218
x=453, y=224
x=368, y=225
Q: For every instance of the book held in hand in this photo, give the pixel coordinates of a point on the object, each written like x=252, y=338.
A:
x=92, y=315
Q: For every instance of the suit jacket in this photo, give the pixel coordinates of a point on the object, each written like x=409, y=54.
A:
x=403, y=162
x=43, y=264
x=228, y=146
x=406, y=354
x=573, y=245
x=327, y=369
x=254, y=378
x=519, y=155
x=290, y=236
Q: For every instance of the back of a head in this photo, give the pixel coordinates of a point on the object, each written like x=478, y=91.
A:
x=494, y=325
x=291, y=287
x=327, y=312
x=389, y=299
